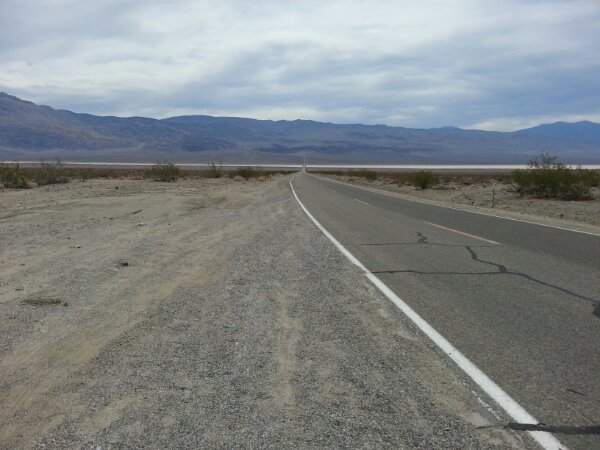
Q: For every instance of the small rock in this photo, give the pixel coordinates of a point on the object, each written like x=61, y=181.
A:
x=141, y=224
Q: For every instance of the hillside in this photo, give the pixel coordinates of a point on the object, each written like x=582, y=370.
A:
x=584, y=132
x=32, y=132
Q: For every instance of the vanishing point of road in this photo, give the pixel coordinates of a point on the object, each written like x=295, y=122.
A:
x=520, y=300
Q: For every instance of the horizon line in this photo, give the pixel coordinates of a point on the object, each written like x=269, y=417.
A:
x=215, y=116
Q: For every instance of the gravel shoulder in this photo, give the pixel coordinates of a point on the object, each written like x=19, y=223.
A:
x=208, y=313
x=577, y=215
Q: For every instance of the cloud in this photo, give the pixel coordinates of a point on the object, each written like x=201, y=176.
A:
x=421, y=64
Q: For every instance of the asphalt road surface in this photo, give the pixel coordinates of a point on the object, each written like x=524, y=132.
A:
x=520, y=300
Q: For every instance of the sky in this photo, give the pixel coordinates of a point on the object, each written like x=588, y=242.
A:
x=493, y=65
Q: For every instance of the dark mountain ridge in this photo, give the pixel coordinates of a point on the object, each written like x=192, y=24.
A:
x=584, y=132
x=32, y=132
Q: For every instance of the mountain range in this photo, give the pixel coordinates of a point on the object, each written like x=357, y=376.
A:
x=30, y=132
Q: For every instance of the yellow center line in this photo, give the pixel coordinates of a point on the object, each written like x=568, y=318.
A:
x=463, y=233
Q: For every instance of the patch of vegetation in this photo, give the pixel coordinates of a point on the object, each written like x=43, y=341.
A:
x=248, y=172
x=42, y=301
x=257, y=172
x=445, y=179
x=163, y=171
x=214, y=170
x=368, y=174
x=13, y=176
x=424, y=179
x=547, y=177
x=50, y=173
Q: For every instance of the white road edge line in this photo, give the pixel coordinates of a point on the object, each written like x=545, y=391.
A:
x=364, y=188
x=463, y=233
x=361, y=201
x=505, y=401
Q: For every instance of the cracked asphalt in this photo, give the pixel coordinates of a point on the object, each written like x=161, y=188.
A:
x=524, y=309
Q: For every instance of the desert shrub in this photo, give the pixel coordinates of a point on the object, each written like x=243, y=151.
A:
x=163, y=171
x=546, y=177
x=214, y=171
x=12, y=176
x=576, y=183
x=50, y=173
x=368, y=174
x=423, y=179
x=402, y=178
x=87, y=173
x=248, y=172
x=82, y=174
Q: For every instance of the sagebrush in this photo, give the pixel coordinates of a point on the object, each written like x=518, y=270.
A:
x=424, y=179
x=50, y=173
x=547, y=177
x=13, y=176
x=163, y=171
x=248, y=172
x=214, y=170
x=368, y=174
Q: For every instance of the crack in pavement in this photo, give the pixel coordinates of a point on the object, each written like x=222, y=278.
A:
x=374, y=244
x=563, y=429
x=501, y=270
x=422, y=240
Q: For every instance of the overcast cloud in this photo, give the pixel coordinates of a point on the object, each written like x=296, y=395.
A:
x=497, y=65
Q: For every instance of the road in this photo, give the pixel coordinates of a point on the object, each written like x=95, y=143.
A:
x=520, y=300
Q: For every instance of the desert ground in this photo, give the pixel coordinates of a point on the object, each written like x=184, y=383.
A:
x=208, y=313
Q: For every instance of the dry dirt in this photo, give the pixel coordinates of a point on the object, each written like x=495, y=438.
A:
x=581, y=215
x=207, y=313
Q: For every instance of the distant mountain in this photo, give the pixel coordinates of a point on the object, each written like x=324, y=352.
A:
x=580, y=132
x=33, y=132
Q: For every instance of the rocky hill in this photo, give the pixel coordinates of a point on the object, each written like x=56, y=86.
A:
x=32, y=132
